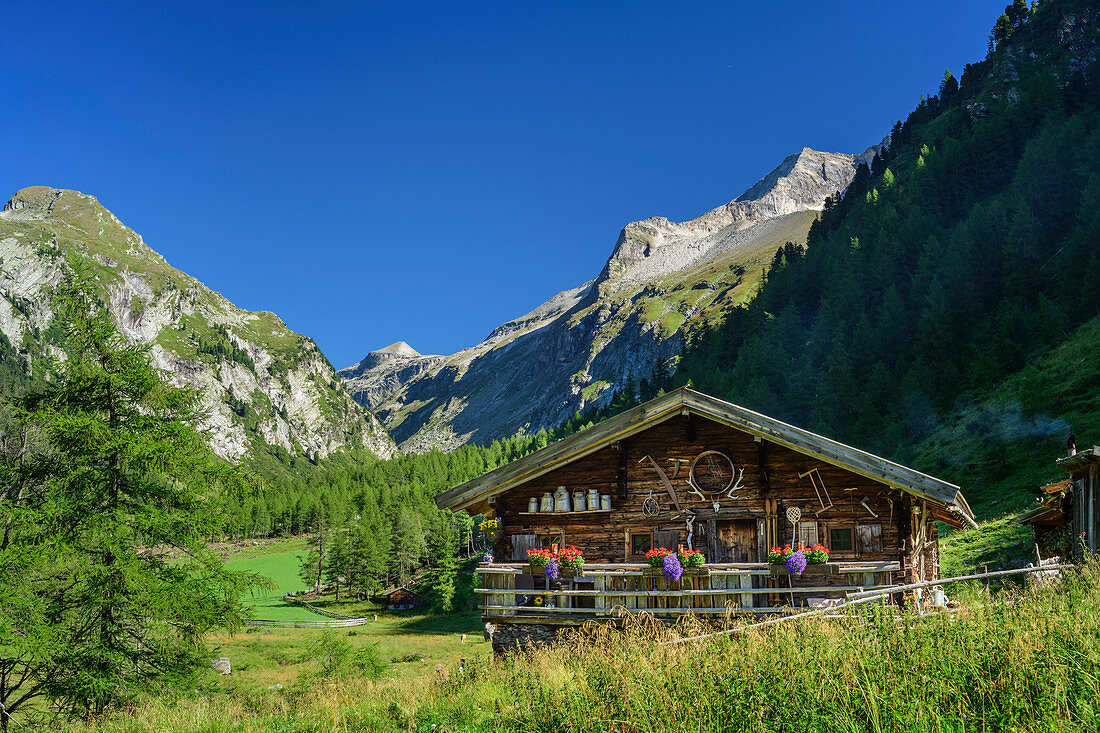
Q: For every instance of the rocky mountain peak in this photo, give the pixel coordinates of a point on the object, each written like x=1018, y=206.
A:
x=656, y=246
x=266, y=390
x=38, y=199
x=398, y=349
x=663, y=280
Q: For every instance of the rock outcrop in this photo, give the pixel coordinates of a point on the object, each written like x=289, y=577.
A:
x=662, y=281
x=264, y=387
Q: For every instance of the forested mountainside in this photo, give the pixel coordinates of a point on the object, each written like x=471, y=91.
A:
x=663, y=281
x=943, y=312
x=271, y=396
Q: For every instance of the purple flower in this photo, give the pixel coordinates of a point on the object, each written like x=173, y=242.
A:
x=553, y=570
x=796, y=563
x=673, y=568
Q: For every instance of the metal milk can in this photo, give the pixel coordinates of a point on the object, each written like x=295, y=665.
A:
x=579, y=504
x=561, y=500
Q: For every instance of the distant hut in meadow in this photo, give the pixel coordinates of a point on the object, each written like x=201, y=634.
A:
x=400, y=599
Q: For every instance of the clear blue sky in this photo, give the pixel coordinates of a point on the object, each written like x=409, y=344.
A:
x=425, y=171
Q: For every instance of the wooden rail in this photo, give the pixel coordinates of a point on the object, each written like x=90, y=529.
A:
x=608, y=589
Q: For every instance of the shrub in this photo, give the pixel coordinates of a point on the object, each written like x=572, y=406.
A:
x=336, y=657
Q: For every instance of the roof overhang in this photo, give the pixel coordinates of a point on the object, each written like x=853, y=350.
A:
x=476, y=494
x=1080, y=460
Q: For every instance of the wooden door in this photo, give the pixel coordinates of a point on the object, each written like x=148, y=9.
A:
x=730, y=540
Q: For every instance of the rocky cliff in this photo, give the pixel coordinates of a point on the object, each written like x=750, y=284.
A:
x=266, y=388
x=662, y=281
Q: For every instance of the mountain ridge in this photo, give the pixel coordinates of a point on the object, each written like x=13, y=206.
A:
x=662, y=280
x=265, y=388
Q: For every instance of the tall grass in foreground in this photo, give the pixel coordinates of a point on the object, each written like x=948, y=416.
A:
x=1026, y=659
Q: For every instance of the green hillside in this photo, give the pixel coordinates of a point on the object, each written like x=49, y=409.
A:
x=963, y=258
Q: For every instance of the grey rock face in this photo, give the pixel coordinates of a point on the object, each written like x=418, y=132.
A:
x=662, y=281
x=276, y=389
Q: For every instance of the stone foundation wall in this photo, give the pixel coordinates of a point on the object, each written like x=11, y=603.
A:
x=515, y=637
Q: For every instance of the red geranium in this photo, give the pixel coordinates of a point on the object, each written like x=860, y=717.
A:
x=690, y=558
x=539, y=558
x=571, y=558
x=817, y=554
x=656, y=556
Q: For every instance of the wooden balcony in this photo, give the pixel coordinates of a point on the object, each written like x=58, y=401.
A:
x=512, y=593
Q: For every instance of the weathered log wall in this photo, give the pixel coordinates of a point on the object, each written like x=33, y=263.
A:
x=773, y=478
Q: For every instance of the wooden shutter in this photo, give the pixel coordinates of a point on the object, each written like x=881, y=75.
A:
x=668, y=540
x=521, y=543
x=869, y=538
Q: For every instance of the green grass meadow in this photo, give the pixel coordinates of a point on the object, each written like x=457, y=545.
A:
x=281, y=567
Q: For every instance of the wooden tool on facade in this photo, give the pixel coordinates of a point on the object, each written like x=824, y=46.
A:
x=664, y=480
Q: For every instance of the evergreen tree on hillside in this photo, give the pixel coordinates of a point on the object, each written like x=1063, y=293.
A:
x=95, y=612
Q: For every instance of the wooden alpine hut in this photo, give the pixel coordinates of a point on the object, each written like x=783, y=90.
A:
x=1066, y=519
x=687, y=471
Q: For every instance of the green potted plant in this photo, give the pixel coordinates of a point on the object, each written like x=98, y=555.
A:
x=656, y=560
x=537, y=560
x=817, y=555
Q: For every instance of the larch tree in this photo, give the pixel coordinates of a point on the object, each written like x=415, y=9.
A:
x=108, y=581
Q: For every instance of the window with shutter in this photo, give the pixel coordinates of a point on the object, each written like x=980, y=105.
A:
x=807, y=533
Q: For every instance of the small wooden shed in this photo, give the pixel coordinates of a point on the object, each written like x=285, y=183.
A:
x=1066, y=520
x=400, y=599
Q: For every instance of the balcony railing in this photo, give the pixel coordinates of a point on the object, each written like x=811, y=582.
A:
x=515, y=592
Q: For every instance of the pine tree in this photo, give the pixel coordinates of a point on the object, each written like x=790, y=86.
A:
x=948, y=85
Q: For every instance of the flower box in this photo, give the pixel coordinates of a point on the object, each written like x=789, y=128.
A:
x=697, y=572
x=822, y=569
x=538, y=572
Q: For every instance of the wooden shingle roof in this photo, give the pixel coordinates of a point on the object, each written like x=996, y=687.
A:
x=942, y=495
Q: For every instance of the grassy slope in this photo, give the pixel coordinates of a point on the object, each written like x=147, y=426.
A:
x=1000, y=446
x=263, y=657
x=934, y=673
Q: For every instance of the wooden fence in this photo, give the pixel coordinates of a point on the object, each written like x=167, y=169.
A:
x=606, y=590
x=319, y=624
